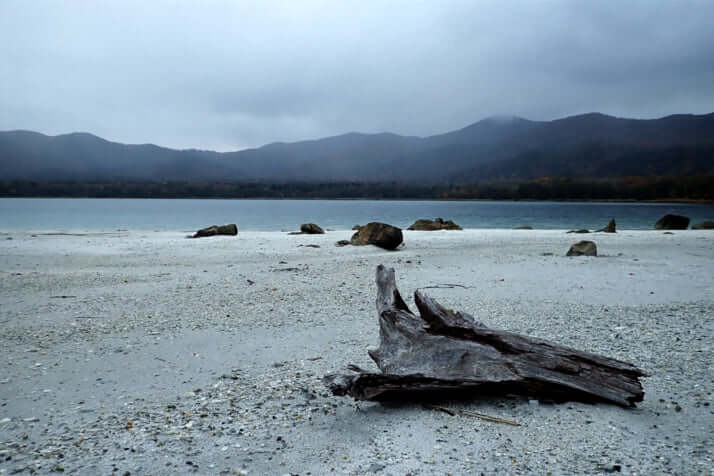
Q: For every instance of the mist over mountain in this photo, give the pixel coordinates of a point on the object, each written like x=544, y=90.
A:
x=497, y=148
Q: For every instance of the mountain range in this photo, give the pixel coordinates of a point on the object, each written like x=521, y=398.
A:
x=494, y=149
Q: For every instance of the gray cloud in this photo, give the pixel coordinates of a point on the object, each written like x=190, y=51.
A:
x=227, y=75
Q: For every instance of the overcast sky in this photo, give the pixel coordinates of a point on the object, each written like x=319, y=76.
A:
x=227, y=75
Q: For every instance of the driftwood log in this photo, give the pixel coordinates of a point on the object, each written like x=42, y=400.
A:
x=441, y=352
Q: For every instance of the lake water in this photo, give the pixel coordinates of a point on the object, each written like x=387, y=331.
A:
x=58, y=214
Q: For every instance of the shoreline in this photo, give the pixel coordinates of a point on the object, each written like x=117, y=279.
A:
x=84, y=232
x=61, y=215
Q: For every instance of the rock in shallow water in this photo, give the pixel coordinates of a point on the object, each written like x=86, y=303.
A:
x=610, y=228
x=672, y=222
x=432, y=225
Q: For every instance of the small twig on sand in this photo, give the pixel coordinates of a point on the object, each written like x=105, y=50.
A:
x=443, y=409
x=356, y=368
x=446, y=286
x=453, y=411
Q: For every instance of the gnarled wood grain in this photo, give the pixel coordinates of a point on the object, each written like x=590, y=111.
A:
x=441, y=351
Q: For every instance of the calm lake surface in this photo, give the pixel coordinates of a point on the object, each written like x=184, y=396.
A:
x=64, y=215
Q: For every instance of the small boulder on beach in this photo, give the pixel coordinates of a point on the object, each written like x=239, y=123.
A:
x=583, y=248
x=672, y=222
x=308, y=229
x=214, y=230
x=432, y=225
x=379, y=234
x=311, y=229
x=705, y=225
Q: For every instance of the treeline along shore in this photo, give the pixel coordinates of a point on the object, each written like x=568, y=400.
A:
x=698, y=188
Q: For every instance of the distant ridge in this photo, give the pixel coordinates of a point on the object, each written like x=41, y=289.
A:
x=589, y=145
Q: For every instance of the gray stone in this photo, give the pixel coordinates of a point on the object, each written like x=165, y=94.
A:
x=610, y=228
x=311, y=229
x=379, y=234
x=214, y=230
x=432, y=225
x=583, y=248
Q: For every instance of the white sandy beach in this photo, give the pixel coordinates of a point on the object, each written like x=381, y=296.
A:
x=149, y=353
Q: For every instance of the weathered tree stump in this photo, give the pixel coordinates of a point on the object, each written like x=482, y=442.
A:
x=443, y=352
